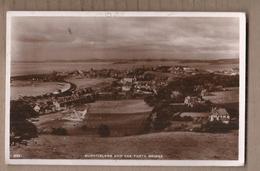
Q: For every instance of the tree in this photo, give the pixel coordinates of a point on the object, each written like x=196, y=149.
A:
x=161, y=116
x=20, y=111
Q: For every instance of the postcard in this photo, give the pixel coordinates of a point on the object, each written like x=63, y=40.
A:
x=125, y=88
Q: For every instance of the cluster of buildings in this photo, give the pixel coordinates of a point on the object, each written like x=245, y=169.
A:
x=140, y=88
x=54, y=103
x=45, y=108
x=141, y=73
x=181, y=70
x=193, y=101
x=104, y=73
x=230, y=72
x=216, y=114
x=134, y=83
x=197, y=110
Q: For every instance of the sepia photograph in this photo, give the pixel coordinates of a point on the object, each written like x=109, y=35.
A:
x=125, y=88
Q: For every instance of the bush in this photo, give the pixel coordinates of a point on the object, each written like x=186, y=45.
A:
x=59, y=131
x=160, y=124
x=84, y=127
x=21, y=131
x=215, y=127
x=21, y=110
x=151, y=100
x=103, y=130
x=184, y=118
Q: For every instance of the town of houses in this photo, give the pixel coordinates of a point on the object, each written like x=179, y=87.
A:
x=137, y=83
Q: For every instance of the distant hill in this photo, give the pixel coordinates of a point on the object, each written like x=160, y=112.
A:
x=118, y=61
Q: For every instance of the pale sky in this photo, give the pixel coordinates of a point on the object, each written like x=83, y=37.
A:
x=86, y=38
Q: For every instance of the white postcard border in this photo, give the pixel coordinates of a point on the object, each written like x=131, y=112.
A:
x=242, y=90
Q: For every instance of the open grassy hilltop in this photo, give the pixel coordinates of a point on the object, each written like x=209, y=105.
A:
x=171, y=145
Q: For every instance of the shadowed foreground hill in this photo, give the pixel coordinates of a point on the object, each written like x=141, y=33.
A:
x=172, y=145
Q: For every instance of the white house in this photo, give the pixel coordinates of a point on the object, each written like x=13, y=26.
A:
x=57, y=106
x=219, y=114
x=126, y=88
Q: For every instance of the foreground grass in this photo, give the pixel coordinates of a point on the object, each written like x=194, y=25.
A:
x=172, y=145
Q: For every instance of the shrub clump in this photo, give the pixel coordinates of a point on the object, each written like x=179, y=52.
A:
x=103, y=130
x=59, y=131
x=215, y=127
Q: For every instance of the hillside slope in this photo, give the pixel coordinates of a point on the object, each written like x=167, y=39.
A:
x=172, y=145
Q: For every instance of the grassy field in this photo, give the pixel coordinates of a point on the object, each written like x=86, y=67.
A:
x=231, y=95
x=90, y=82
x=119, y=125
x=228, y=99
x=123, y=117
x=171, y=145
x=119, y=106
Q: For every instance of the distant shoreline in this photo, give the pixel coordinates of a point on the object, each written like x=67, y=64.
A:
x=45, y=67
